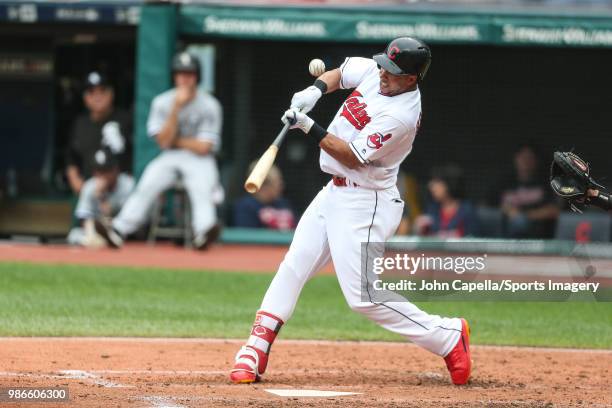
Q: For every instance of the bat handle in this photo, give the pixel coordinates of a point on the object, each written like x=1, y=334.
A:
x=281, y=135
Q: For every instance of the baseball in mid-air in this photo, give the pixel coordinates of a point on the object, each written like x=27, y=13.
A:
x=316, y=67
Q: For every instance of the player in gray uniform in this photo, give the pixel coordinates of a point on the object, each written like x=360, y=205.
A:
x=105, y=193
x=186, y=124
x=101, y=196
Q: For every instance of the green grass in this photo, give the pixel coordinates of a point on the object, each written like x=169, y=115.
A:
x=46, y=300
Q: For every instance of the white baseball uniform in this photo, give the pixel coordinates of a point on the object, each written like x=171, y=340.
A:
x=380, y=131
x=201, y=118
x=88, y=206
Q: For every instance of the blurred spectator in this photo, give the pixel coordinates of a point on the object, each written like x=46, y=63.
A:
x=449, y=215
x=102, y=126
x=102, y=195
x=525, y=197
x=185, y=121
x=266, y=208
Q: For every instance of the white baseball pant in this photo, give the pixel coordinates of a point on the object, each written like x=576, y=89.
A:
x=333, y=227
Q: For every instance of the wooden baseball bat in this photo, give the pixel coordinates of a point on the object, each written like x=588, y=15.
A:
x=261, y=169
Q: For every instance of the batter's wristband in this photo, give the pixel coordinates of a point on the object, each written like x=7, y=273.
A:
x=321, y=85
x=602, y=201
x=318, y=132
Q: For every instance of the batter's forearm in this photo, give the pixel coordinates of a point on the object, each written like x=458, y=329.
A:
x=330, y=143
x=339, y=150
x=331, y=79
x=167, y=136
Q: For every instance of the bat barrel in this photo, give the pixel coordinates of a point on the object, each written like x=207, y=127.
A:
x=261, y=169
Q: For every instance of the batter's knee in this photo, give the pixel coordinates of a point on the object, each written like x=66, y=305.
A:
x=360, y=306
x=302, y=259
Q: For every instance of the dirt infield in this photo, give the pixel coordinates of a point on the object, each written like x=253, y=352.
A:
x=253, y=258
x=193, y=373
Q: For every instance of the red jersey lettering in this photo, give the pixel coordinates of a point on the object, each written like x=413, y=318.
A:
x=355, y=111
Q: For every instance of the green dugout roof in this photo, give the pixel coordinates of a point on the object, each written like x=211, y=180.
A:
x=450, y=25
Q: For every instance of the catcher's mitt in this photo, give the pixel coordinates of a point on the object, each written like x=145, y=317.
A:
x=570, y=179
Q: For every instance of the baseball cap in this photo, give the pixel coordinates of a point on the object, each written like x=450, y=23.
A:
x=104, y=160
x=185, y=62
x=96, y=78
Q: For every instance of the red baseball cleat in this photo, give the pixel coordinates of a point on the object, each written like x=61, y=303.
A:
x=246, y=368
x=252, y=358
x=459, y=360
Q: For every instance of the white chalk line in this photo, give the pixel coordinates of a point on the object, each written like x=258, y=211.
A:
x=95, y=374
x=85, y=376
x=291, y=342
x=160, y=372
x=158, y=401
x=30, y=375
x=91, y=378
x=298, y=392
x=162, y=402
x=211, y=372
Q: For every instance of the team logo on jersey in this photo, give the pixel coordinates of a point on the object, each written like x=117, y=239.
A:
x=354, y=110
x=376, y=140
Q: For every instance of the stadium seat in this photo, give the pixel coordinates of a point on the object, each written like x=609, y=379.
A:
x=491, y=222
x=587, y=227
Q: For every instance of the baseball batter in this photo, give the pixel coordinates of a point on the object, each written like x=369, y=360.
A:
x=362, y=148
x=186, y=124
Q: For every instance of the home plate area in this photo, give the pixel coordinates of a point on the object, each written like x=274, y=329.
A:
x=310, y=393
x=194, y=373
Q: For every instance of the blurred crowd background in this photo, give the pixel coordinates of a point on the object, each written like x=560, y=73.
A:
x=493, y=113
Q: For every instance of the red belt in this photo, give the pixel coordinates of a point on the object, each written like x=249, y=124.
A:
x=341, y=182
